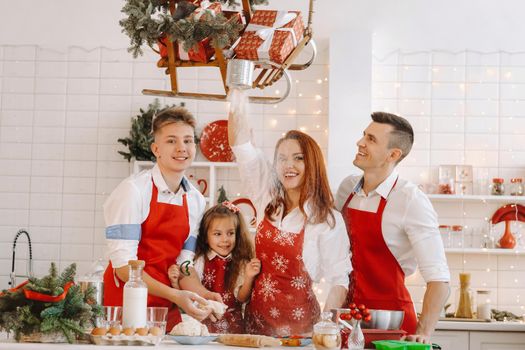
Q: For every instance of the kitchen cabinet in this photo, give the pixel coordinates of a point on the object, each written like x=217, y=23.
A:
x=451, y=340
x=497, y=340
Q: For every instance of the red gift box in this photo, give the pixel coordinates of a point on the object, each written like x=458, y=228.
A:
x=270, y=36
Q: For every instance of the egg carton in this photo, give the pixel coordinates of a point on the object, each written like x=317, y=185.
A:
x=122, y=339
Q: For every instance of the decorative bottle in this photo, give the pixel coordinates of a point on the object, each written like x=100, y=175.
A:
x=464, y=297
x=135, y=303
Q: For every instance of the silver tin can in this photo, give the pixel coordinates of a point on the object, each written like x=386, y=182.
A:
x=240, y=74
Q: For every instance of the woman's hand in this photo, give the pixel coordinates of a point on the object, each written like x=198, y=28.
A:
x=252, y=268
x=174, y=274
x=188, y=301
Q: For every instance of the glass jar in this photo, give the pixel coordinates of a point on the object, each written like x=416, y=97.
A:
x=444, y=230
x=135, y=299
x=498, y=188
x=516, y=187
x=326, y=334
x=483, y=307
x=446, y=186
x=457, y=236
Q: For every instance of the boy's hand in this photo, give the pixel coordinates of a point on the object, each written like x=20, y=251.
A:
x=174, y=274
x=252, y=268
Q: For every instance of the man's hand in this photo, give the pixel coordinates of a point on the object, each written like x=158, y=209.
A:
x=420, y=338
x=252, y=268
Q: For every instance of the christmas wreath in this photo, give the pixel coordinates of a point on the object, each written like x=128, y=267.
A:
x=49, y=305
x=149, y=20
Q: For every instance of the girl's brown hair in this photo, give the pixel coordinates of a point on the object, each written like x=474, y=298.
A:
x=243, y=250
x=315, y=187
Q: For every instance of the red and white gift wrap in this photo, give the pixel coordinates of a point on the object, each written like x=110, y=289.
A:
x=270, y=36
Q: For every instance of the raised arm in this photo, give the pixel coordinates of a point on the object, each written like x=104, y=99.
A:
x=239, y=131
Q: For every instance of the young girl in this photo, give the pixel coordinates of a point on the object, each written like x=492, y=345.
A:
x=224, y=263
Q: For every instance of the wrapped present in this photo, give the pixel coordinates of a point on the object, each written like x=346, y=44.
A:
x=270, y=36
x=206, y=7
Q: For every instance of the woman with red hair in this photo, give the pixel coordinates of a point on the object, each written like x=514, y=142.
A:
x=300, y=238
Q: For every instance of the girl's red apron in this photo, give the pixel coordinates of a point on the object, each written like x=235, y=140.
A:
x=282, y=301
x=213, y=279
x=377, y=280
x=163, y=235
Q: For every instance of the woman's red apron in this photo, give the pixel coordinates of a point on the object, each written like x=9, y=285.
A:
x=377, y=280
x=213, y=279
x=163, y=235
x=282, y=301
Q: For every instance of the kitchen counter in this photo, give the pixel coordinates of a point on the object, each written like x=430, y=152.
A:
x=481, y=326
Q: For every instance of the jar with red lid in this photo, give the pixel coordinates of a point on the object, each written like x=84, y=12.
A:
x=516, y=186
x=498, y=188
x=457, y=236
x=445, y=235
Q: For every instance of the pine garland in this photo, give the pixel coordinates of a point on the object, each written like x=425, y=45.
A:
x=70, y=316
x=140, y=137
x=148, y=20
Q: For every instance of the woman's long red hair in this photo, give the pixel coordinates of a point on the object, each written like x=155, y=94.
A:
x=314, y=189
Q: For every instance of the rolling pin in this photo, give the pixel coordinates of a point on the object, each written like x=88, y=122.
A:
x=248, y=340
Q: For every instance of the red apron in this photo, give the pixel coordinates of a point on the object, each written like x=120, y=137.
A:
x=213, y=279
x=377, y=280
x=282, y=301
x=163, y=234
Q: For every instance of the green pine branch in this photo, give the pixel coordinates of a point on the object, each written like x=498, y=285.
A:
x=147, y=21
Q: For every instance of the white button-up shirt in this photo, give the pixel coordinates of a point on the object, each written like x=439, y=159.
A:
x=410, y=225
x=128, y=207
x=326, y=250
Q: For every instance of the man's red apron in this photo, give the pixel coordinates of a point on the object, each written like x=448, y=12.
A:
x=213, y=279
x=163, y=235
x=377, y=280
x=282, y=301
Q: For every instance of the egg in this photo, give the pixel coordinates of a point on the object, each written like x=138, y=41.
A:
x=99, y=331
x=114, y=331
x=142, y=331
x=155, y=331
x=128, y=331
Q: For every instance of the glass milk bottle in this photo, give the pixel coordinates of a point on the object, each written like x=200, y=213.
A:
x=135, y=304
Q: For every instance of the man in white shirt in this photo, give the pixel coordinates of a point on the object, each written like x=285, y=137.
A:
x=393, y=228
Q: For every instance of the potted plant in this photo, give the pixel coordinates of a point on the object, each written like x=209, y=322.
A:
x=48, y=309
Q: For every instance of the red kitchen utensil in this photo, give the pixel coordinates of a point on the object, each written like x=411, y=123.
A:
x=214, y=142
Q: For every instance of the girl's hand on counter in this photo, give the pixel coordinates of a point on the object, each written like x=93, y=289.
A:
x=213, y=296
x=188, y=300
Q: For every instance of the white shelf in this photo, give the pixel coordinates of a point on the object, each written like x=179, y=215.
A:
x=485, y=251
x=213, y=164
x=475, y=198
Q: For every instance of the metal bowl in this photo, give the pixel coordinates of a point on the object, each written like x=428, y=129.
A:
x=381, y=319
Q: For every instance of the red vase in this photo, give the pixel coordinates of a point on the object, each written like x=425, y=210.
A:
x=507, y=241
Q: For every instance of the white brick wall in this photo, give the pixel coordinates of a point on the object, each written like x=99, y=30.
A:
x=466, y=108
x=62, y=111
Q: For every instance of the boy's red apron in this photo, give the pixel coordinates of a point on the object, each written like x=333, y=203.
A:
x=377, y=280
x=213, y=279
x=163, y=234
x=282, y=301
